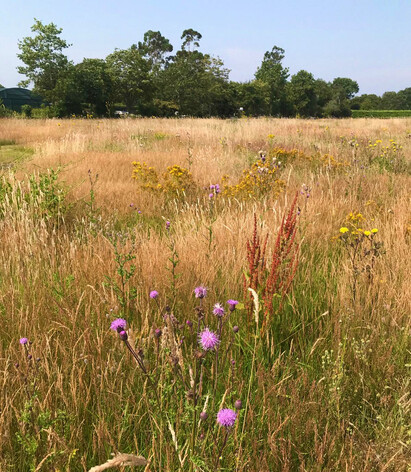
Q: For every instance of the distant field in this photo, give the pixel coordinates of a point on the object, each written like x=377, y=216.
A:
x=381, y=113
x=104, y=220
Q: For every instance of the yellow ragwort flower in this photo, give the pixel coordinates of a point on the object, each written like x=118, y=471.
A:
x=343, y=230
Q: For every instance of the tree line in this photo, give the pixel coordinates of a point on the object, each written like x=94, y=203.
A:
x=147, y=79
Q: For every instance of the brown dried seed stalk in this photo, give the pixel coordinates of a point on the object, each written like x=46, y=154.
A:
x=121, y=460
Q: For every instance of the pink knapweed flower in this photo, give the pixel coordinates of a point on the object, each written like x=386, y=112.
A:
x=226, y=417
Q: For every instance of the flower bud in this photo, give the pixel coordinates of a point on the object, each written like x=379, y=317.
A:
x=158, y=333
x=203, y=415
x=123, y=335
x=238, y=404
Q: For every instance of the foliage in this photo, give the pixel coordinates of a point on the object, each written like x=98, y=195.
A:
x=273, y=73
x=272, y=277
x=381, y=113
x=154, y=48
x=44, y=60
x=130, y=75
x=176, y=182
x=302, y=93
x=260, y=179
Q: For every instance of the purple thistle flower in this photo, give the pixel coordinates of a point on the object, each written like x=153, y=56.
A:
x=208, y=340
x=23, y=341
x=200, y=292
x=226, y=417
x=168, y=225
x=158, y=333
x=218, y=310
x=211, y=195
x=153, y=294
x=217, y=188
x=118, y=325
x=212, y=187
x=232, y=304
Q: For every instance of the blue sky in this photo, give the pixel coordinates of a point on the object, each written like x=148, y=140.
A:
x=366, y=40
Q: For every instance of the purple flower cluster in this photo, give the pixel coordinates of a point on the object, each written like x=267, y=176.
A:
x=208, y=340
x=218, y=310
x=232, y=304
x=226, y=417
x=200, y=292
x=153, y=294
x=118, y=325
x=215, y=188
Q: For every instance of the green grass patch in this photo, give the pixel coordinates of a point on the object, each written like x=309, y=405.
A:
x=7, y=142
x=12, y=153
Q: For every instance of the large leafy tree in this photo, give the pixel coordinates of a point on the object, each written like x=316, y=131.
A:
x=253, y=97
x=130, y=73
x=302, y=93
x=195, y=83
x=95, y=84
x=154, y=48
x=405, y=98
x=275, y=76
x=345, y=88
x=43, y=58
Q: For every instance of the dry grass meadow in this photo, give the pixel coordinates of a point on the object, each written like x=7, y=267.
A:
x=323, y=371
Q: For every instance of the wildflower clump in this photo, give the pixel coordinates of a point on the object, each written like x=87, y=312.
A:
x=176, y=181
x=361, y=246
x=260, y=179
x=387, y=156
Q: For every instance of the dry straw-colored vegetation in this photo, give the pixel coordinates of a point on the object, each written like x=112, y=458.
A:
x=324, y=376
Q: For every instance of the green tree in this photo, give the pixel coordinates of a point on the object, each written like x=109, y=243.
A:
x=391, y=101
x=367, y=102
x=44, y=60
x=405, y=98
x=253, y=97
x=131, y=78
x=154, y=48
x=191, y=39
x=324, y=94
x=345, y=88
x=302, y=93
x=275, y=76
x=95, y=85
x=194, y=83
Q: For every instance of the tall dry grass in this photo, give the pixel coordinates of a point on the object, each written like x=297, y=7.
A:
x=331, y=388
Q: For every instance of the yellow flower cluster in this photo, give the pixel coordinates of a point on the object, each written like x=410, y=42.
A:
x=260, y=179
x=174, y=182
x=392, y=147
x=351, y=231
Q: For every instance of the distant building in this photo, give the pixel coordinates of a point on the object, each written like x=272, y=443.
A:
x=15, y=98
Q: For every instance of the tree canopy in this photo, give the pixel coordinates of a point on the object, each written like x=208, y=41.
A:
x=148, y=79
x=43, y=58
